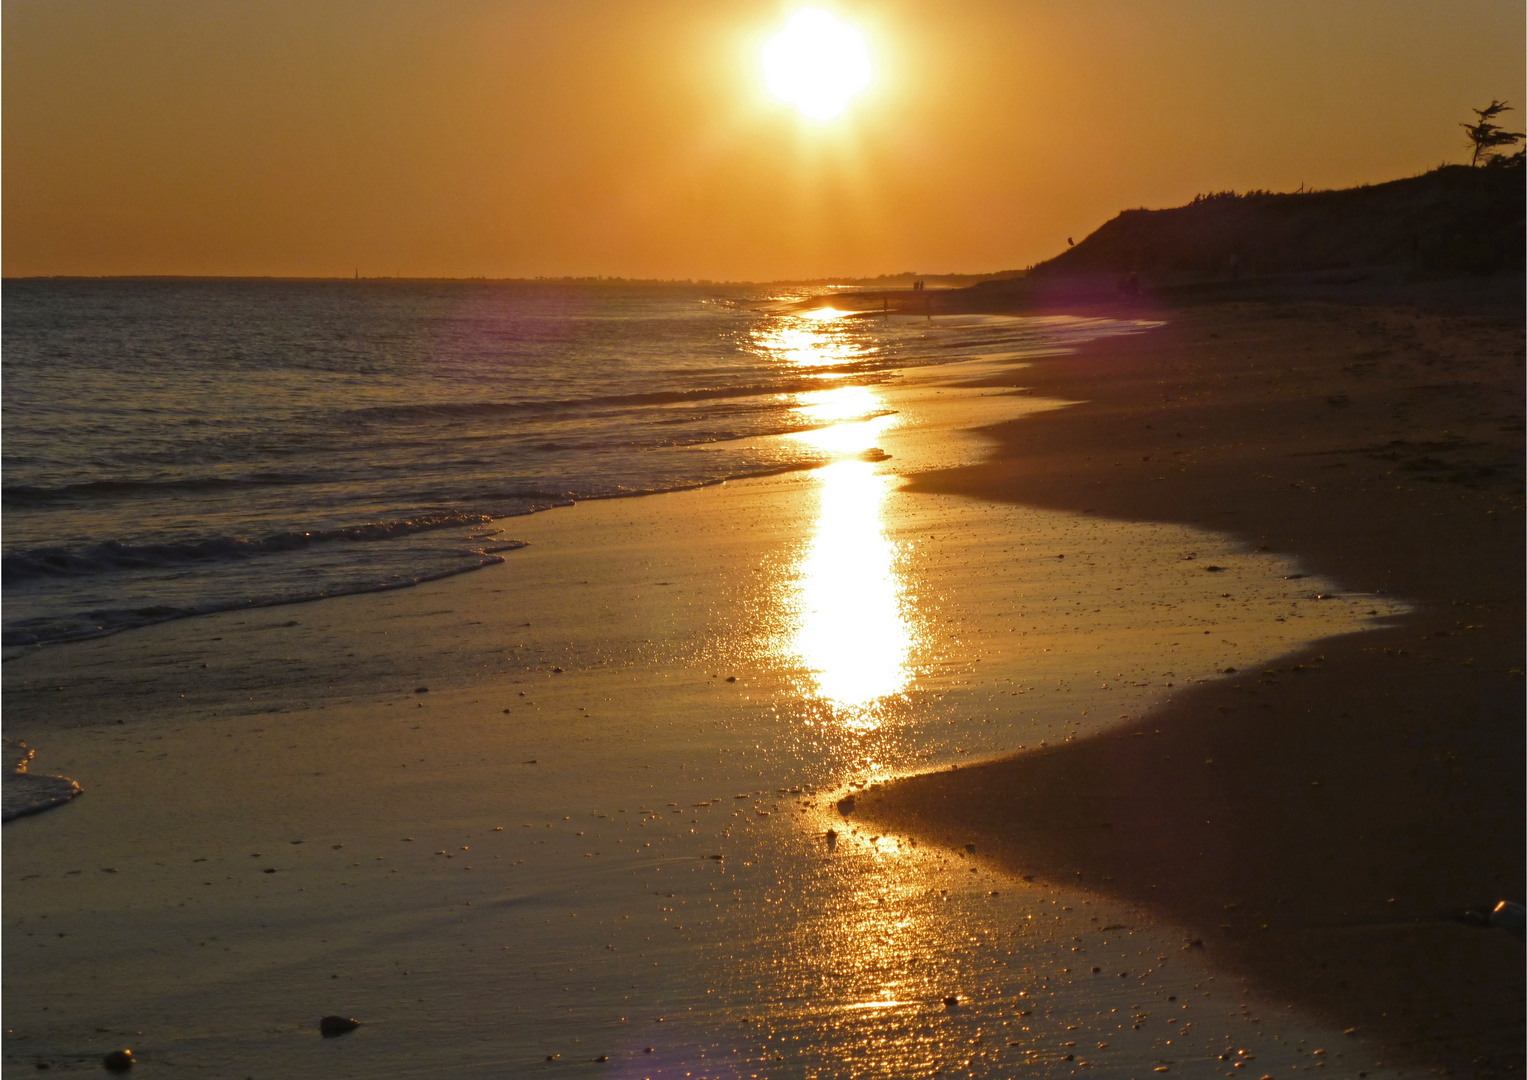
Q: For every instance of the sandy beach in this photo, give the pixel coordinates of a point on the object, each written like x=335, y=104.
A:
x=1319, y=823
x=586, y=808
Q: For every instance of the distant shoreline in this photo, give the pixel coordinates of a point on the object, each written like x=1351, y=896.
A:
x=947, y=281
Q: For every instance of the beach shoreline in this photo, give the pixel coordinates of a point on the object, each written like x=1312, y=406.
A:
x=146, y=720
x=523, y=812
x=1320, y=827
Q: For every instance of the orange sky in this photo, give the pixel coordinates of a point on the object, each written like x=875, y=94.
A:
x=632, y=137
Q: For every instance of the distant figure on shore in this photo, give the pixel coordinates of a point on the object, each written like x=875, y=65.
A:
x=917, y=286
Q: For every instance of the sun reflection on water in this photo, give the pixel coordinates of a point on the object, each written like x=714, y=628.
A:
x=839, y=403
x=810, y=339
x=852, y=631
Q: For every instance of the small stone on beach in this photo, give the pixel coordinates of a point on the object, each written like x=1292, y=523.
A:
x=332, y=1025
x=1509, y=917
x=118, y=1061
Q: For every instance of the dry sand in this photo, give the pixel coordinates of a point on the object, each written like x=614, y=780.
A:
x=1318, y=824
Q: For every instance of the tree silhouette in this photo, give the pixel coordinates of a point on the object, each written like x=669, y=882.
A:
x=1486, y=135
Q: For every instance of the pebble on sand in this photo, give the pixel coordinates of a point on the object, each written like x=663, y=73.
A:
x=1509, y=917
x=118, y=1061
x=331, y=1026
x=952, y=1000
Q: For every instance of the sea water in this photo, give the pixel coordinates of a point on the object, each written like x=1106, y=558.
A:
x=180, y=447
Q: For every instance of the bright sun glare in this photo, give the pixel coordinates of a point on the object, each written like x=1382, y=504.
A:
x=816, y=63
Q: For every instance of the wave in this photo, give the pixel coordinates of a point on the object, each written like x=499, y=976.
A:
x=103, y=623
x=37, y=495
x=111, y=555
x=462, y=409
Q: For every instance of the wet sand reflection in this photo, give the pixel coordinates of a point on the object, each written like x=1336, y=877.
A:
x=853, y=630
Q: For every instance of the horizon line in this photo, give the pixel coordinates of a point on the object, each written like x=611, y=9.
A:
x=566, y=279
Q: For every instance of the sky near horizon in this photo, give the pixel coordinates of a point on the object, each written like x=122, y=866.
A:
x=635, y=138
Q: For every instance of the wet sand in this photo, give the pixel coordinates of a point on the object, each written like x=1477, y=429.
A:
x=1316, y=824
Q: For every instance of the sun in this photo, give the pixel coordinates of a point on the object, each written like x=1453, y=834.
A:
x=817, y=63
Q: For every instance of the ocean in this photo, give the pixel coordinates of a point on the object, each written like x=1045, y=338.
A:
x=177, y=447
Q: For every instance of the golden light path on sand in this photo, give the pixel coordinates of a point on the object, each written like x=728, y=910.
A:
x=851, y=631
